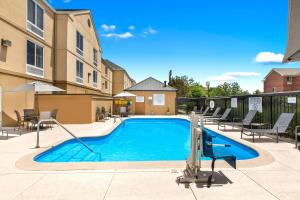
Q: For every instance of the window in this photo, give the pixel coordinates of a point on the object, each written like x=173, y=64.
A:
x=79, y=72
x=274, y=89
x=95, y=78
x=79, y=43
x=106, y=85
x=158, y=99
x=89, y=23
x=35, y=18
x=35, y=59
x=289, y=80
x=95, y=57
x=106, y=70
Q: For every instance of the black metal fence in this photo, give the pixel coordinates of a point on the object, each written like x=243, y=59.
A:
x=272, y=106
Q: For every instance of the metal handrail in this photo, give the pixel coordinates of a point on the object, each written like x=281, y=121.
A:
x=59, y=124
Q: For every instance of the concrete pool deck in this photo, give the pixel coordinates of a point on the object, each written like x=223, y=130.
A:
x=279, y=179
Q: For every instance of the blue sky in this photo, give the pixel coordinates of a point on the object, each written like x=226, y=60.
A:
x=216, y=40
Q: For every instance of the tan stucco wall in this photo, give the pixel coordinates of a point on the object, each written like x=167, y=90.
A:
x=66, y=49
x=74, y=109
x=106, y=77
x=14, y=101
x=13, y=20
x=170, y=102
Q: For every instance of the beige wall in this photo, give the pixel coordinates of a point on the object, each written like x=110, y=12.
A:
x=149, y=108
x=108, y=78
x=66, y=49
x=13, y=20
x=13, y=23
x=73, y=109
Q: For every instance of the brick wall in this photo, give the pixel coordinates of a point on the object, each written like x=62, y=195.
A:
x=275, y=80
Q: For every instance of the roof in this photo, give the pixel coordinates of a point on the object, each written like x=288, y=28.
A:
x=72, y=10
x=285, y=71
x=151, y=84
x=115, y=67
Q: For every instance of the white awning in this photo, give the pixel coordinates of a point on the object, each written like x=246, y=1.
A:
x=292, y=52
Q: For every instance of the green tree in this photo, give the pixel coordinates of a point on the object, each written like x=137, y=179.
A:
x=196, y=90
x=228, y=89
x=181, y=83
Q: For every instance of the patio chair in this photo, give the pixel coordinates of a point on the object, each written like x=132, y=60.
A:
x=223, y=118
x=123, y=112
x=45, y=116
x=281, y=127
x=236, y=121
x=214, y=115
x=29, y=117
x=198, y=111
x=20, y=122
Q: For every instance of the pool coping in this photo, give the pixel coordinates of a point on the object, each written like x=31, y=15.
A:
x=27, y=162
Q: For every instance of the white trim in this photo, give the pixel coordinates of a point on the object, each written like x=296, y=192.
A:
x=27, y=21
x=43, y=69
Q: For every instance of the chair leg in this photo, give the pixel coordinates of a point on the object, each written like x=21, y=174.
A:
x=252, y=137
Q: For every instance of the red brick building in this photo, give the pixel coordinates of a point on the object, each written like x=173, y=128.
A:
x=282, y=80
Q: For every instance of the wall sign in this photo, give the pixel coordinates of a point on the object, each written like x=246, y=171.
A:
x=234, y=103
x=255, y=103
x=292, y=100
x=158, y=99
x=211, y=104
x=140, y=99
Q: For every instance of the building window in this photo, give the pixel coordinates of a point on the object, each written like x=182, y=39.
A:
x=79, y=43
x=274, y=89
x=106, y=70
x=89, y=23
x=35, y=18
x=79, y=72
x=95, y=57
x=106, y=85
x=289, y=80
x=95, y=78
x=158, y=99
x=35, y=59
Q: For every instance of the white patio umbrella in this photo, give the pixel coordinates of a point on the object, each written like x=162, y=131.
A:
x=124, y=95
x=292, y=52
x=36, y=87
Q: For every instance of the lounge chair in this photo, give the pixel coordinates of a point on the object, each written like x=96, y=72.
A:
x=215, y=113
x=281, y=127
x=235, y=123
x=205, y=112
x=222, y=118
x=200, y=111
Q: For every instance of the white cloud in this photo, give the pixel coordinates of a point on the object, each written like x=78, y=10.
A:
x=118, y=35
x=269, y=58
x=67, y=1
x=106, y=27
x=150, y=31
x=131, y=27
x=233, y=76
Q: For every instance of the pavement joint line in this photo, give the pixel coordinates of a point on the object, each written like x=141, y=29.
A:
x=193, y=192
x=110, y=182
x=31, y=185
x=259, y=185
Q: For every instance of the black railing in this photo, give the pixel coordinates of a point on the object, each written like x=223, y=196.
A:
x=272, y=106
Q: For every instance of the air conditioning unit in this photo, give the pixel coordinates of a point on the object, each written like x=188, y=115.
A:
x=6, y=43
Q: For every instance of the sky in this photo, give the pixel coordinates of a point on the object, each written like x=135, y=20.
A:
x=208, y=40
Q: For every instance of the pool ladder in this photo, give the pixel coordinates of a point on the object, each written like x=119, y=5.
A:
x=68, y=131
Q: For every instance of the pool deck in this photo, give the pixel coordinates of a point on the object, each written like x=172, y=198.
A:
x=278, y=178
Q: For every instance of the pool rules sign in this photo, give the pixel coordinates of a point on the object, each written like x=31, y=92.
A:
x=255, y=103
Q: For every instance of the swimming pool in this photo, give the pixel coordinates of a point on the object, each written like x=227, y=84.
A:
x=139, y=139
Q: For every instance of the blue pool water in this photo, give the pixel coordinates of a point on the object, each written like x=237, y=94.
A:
x=146, y=139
